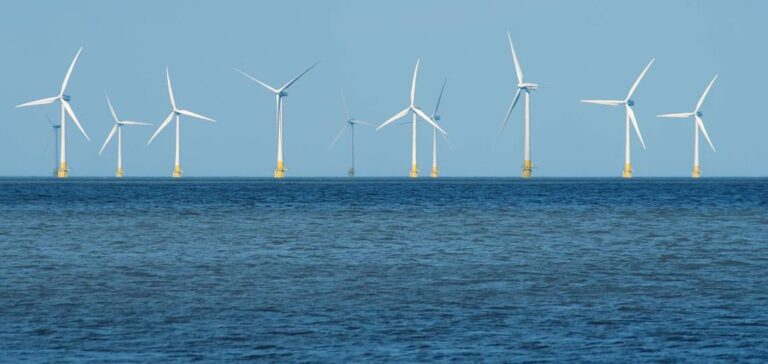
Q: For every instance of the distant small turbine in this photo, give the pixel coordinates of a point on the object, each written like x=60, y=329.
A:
x=66, y=109
x=349, y=123
x=279, y=95
x=55, y=128
x=436, y=118
x=698, y=124
x=526, y=87
x=628, y=103
x=118, y=128
x=175, y=112
x=414, y=110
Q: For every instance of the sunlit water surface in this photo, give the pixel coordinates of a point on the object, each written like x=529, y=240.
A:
x=373, y=270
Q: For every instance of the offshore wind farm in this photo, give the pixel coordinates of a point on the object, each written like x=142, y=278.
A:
x=449, y=181
x=523, y=90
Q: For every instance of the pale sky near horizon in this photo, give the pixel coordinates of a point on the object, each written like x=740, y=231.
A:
x=574, y=49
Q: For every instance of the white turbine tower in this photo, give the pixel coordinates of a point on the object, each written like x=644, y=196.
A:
x=279, y=95
x=630, y=118
x=118, y=128
x=414, y=110
x=175, y=112
x=349, y=123
x=66, y=109
x=526, y=87
x=698, y=125
x=436, y=118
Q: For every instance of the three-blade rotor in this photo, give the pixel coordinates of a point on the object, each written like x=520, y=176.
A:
x=412, y=107
x=62, y=97
x=522, y=86
x=697, y=114
x=281, y=90
x=348, y=123
x=118, y=123
x=175, y=110
x=628, y=102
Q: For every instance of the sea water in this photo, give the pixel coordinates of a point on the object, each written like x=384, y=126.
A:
x=369, y=270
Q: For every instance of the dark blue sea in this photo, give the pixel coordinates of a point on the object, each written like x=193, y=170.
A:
x=384, y=270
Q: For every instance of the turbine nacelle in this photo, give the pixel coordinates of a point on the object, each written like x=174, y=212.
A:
x=699, y=114
x=283, y=94
x=436, y=117
x=630, y=102
x=66, y=98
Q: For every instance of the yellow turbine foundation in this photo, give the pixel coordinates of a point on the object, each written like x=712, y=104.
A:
x=527, y=169
x=414, y=171
x=627, y=173
x=434, y=172
x=62, y=171
x=120, y=173
x=696, y=172
x=176, y=171
x=280, y=170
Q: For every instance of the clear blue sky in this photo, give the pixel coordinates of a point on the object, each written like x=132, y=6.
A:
x=575, y=49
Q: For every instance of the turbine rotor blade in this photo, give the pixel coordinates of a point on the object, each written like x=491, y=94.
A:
x=112, y=109
x=427, y=118
x=162, y=126
x=194, y=115
x=637, y=82
x=45, y=101
x=604, y=102
x=344, y=102
x=170, y=88
x=339, y=134
x=704, y=95
x=440, y=97
x=69, y=72
x=704, y=131
x=680, y=115
x=394, y=118
x=518, y=70
x=413, y=82
x=129, y=122
x=109, y=137
x=509, y=112
x=47, y=118
x=71, y=113
x=297, y=77
x=448, y=142
x=268, y=87
x=633, y=118
x=361, y=122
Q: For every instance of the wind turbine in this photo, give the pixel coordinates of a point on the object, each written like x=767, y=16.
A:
x=55, y=128
x=628, y=103
x=118, y=128
x=436, y=118
x=175, y=112
x=349, y=123
x=525, y=87
x=414, y=111
x=66, y=109
x=698, y=124
x=279, y=95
